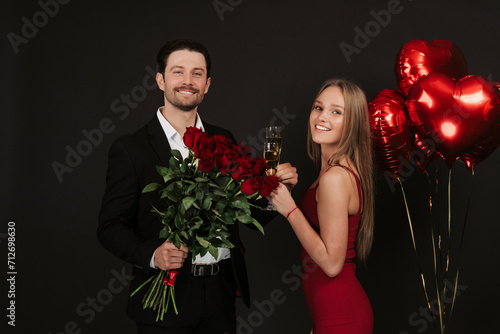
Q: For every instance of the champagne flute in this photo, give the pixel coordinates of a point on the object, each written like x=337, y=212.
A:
x=272, y=156
x=272, y=148
x=272, y=151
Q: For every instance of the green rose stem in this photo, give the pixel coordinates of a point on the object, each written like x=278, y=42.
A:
x=161, y=309
x=150, y=292
x=172, y=293
x=227, y=185
x=192, y=162
x=156, y=293
x=141, y=286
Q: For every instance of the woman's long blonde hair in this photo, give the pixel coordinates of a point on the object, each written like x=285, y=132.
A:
x=356, y=145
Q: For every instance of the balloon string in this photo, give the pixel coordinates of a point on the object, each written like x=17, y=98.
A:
x=449, y=241
x=461, y=243
x=414, y=245
x=440, y=239
x=434, y=254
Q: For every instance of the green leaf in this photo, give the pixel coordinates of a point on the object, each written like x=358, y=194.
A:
x=213, y=185
x=187, y=202
x=221, y=205
x=232, y=187
x=171, y=212
x=173, y=164
x=163, y=233
x=171, y=175
x=240, y=203
x=244, y=217
x=171, y=238
x=155, y=210
x=213, y=251
x=171, y=195
x=201, y=179
x=220, y=193
x=202, y=242
x=203, y=252
x=179, y=221
x=257, y=224
x=207, y=202
x=177, y=242
x=162, y=170
x=228, y=243
x=177, y=155
x=191, y=188
x=151, y=187
x=222, y=243
x=196, y=221
x=224, y=233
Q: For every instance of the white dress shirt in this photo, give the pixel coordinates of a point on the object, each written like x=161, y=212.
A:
x=176, y=143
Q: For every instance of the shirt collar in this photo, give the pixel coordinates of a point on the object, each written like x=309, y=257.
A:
x=169, y=130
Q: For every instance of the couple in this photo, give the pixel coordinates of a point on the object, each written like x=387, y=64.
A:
x=326, y=220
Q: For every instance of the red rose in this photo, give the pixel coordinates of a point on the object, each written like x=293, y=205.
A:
x=228, y=162
x=206, y=161
x=221, y=144
x=244, y=151
x=243, y=170
x=270, y=184
x=191, y=136
x=253, y=184
x=260, y=166
x=203, y=144
x=222, y=140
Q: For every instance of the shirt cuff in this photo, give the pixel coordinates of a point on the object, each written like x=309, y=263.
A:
x=152, y=261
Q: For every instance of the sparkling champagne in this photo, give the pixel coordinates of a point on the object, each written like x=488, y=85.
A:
x=272, y=159
x=274, y=140
x=272, y=151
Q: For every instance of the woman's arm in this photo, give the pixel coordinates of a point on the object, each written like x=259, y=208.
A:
x=328, y=249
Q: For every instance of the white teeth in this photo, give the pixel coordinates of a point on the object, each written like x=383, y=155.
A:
x=319, y=127
x=185, y=92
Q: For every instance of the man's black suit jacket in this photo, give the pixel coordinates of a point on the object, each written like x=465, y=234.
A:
x=128, y=228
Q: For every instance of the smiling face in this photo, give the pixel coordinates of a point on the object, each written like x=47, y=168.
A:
x=184, y=81
x=326, y=120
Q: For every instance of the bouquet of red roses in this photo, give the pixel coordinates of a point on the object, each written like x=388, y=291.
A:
x=204, y=193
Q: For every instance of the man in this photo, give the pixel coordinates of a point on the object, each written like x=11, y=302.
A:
x=206, y=289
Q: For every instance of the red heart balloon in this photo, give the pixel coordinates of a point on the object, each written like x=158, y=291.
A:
x=392, y=134
x=455, y=117
x=424, y=152
x=484, y=149
x=418, y=58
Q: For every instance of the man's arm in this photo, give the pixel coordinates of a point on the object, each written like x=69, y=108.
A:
x=119, y=212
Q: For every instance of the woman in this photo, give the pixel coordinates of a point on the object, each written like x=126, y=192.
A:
x=334, y=219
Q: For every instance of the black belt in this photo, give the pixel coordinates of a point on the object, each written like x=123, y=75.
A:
x=203, y=270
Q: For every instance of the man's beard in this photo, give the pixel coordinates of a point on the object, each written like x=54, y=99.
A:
x=181, y=104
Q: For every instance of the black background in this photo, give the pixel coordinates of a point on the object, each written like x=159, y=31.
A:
x=269, y=58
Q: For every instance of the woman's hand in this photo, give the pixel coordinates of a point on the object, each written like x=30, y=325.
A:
x=282, y=200
x=287, y=174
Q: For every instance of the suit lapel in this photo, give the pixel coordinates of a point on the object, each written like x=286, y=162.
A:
x=159, y=141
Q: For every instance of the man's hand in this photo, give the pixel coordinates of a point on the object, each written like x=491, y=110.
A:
x=287, y=174
x=167, y=256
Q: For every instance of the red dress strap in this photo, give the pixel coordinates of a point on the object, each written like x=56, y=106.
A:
x=358, y=184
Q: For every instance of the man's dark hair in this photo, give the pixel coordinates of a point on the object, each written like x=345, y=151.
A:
x=180, y=44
